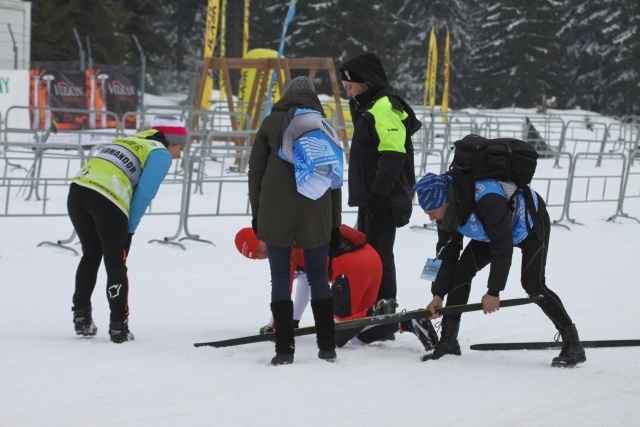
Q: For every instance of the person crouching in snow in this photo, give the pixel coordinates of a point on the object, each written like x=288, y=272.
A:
x=493, y=232
x=355, y=274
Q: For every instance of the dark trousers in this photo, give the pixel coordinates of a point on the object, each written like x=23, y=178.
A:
x=477, y=255
x=315, y=261
x=381, y=236
x=102, y=229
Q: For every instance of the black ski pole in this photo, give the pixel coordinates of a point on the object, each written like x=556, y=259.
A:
x=366, y=321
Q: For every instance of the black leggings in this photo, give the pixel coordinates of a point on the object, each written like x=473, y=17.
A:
x=102, y=229
x=477, y=255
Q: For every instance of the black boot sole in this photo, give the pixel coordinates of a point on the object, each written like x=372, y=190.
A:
x=565, y=364
x=86, y=331
x=120, y=338
x=328, y=355
x=428, y=357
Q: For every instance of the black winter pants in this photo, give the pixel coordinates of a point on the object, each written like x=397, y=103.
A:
x=102, y=229
x=382, y=237
x=477, y=255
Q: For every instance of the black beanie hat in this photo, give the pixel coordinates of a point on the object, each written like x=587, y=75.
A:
x=364, y=68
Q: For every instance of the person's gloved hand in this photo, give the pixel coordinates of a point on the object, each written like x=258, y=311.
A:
x=127, y=245
x=254, y=224
x=336, y=241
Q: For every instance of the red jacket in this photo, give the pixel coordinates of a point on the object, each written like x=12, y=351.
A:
x=355, y=275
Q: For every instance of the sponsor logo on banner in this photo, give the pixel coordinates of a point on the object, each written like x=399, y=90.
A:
x=75, y=100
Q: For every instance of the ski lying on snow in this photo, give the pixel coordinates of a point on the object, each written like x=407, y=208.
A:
x=366, y=321
x=551, y=345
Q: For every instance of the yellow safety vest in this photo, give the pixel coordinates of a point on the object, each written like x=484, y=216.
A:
x=115, y=170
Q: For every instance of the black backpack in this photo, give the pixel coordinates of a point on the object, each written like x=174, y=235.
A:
x=504, y=159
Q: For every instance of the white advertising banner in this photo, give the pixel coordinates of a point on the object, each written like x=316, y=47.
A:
x=14, y=92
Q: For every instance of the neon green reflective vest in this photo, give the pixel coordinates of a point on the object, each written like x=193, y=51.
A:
x=389, y=126
x=115, y=170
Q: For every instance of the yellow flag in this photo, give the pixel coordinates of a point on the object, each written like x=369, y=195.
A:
x=223, y=45
x=432, y=65
x=445, y=91
x=245, y=29
x=210, y=35
x=433, y=54
x=426, y=79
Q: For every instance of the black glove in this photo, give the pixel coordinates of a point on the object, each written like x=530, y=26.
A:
x=336, y=241
x=254, y=224
x=127, y=246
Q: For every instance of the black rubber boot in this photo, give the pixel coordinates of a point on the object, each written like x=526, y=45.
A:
x=448, y=343
x=325, y=328
x=285, y=344
x=572, y=351
x=83, y=322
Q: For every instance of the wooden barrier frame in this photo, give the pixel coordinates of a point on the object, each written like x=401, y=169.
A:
x=263, y=68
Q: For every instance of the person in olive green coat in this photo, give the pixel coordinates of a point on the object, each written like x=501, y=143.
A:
x=284, y=218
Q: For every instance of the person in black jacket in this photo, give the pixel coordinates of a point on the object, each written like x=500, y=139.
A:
x=381, y=165
x=494, y=226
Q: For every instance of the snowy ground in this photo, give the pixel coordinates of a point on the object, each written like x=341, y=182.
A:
x=51, y=377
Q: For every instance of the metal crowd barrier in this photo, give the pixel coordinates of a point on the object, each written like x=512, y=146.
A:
x=34, y=155
x=603, y=185
x=596, y=168
x=631, y=184
x=13, y=131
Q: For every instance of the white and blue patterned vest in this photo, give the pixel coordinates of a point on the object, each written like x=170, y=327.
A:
x=473, y=228
x=311, y=144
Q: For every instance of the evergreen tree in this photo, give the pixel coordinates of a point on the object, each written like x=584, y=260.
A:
x=104, y=29
x=184, y=25
x=265, y=23
x=235, y=22
x=588, y=52
x=519, y=58
x=49, y=38
x=411, y=69
x=144, y=18
x=603, y=55
x=503, y=53
x=622, y=93
x=100, y=28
